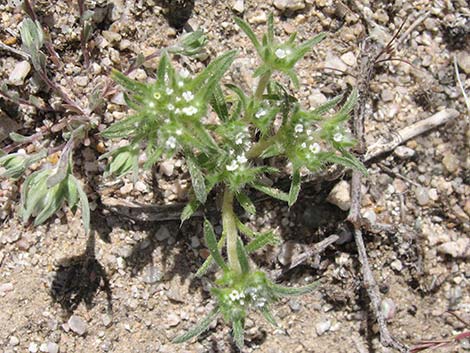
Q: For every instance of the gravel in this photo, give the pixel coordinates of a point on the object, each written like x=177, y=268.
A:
x=77, y=325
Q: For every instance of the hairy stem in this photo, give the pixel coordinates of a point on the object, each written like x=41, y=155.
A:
x=263, y=82
x=260, y=146
x=230, y=230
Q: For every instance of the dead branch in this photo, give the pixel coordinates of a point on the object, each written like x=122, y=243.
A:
x=366, y=72
x=384, y=146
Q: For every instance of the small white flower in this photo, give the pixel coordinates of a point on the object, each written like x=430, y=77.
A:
x=177, y=110
x=242, y=302
x=234, y=295
x=242, y=159
x=303, y=145
x=170, y=143
x=180, y=83
x=239, y=138
x=314, y=148
x=169, y=91
x=309, y=132
x=299, y=128
x=179, y=132
x=184, y=73
x=338, y=137
x=260, y=113
x=151, y=105
x=189, y=110
x=166, y=121
x=280, y=53
x=188, y=96
x=232, y=166
x=178, y=99
x=170, y=107
x=231, y=152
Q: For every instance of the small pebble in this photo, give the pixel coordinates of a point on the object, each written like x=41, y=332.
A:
x=162, y=234
x=349, y=58
x=397, y=265
x=404, y=152
x=151, y=275
x=33, y=347
x=53, y=347
x=451, y=162
x=107, y=320
x=6, y=287
x=19, y=73
x=14, y=341
x=422, y=196
x=77, y=325
x=334, y=62
x=238, y=6
x=258, y=18
x=322, y=327
x=173, y=320
x=340, y=195
x=195, y=242
x=294, y=305
x=388, y=308
x=167, y=167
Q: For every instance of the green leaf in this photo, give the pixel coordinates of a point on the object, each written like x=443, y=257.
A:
x=123, y=128
x=245, y=202
x=294, y=188
x=211, y=243
x=162, y=70
x=72, y=192
x=347, y=160
x=292, y=291
x=261, y=241
x=189, y=210
x=205, y=266
x=350, y=103
x=34, y=190
x=84, y=204
x=294, y=78
x=238, y=333
x=273, y=192
x=239, y=92
x=197, y=179
x=199, y=328
x=18, y=138
x=302, y=49
x=51, y=203
x=208, y=78
x=128, y=83
x=242, y=257
x=270, y=33
x=244, y=229
x=268, y=316
x=324, y=108
x=245, y=27
x=218, y=103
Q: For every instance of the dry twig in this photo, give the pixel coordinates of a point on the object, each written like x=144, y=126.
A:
x=366, y=71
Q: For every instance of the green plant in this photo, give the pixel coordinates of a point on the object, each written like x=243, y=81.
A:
x=170, y=118
x=45, y=191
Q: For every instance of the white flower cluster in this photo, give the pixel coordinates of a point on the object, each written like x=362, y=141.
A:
x=260, y=113
x=170, y=143
x=282, y=53
x=338, y=137
x=251, y=293
x=237, y=296
x=258, y=301
x=237, y=162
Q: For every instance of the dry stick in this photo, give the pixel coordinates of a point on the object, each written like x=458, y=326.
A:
x=409, y=132
x=366, y=72
x=20, y=53
x=411, y=28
